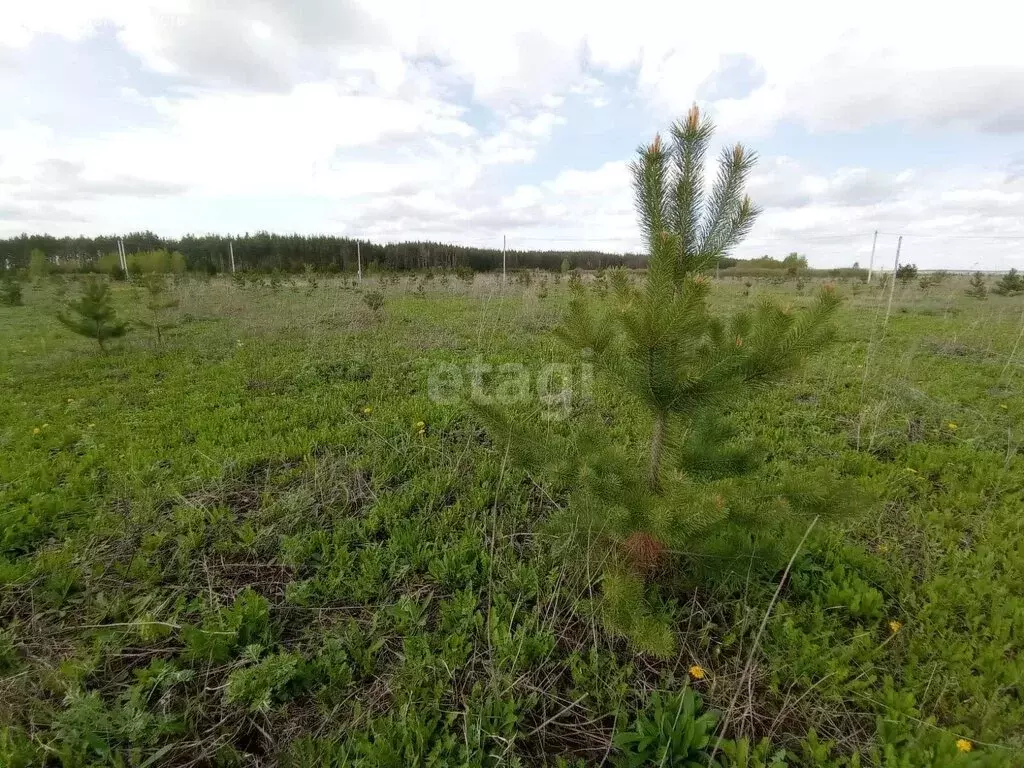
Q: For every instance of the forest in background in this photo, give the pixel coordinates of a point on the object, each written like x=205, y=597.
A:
x=267, y=252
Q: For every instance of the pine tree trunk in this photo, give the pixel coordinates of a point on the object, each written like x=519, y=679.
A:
x=657, y=446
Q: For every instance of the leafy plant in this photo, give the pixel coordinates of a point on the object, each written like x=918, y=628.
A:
x=93, y=316
x=662, y=346
x=244, y=623
x=258, y=686
x=742, y=754
x=671, y=731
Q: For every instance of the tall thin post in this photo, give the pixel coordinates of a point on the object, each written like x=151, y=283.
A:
x=892, y=284
x=871, y=264
x=231, y=250
x=503, y=242
x=359, y=262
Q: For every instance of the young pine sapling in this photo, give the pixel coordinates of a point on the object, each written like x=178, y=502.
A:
x=1010, y=284
x=92, y=314
x=977, y=288
x=374, y=300
x=632, y=508
x=157, y=305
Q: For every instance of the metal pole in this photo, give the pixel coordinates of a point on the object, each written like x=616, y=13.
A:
x=231, y=249
x=871, y=264
x=359, y=262
x=503, y=240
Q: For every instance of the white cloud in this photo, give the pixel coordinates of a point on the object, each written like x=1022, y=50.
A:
x=828, y=67
x=405, y=117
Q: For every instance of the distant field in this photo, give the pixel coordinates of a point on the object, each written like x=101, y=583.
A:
x=264, y=542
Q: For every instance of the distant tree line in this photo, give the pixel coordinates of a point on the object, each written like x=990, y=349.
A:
x=266, y=252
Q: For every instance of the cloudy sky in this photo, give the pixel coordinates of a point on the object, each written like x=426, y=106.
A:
x=464, y=121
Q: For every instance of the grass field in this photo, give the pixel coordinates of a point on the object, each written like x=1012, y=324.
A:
x=264, y=543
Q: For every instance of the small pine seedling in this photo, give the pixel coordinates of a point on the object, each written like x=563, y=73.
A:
x=10, y=291
x=92, y=314
x=157, y=305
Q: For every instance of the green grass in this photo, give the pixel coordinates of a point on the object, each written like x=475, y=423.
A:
x=240, y=549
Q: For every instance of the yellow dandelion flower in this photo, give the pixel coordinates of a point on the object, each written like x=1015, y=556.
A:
x=895, y=626
x=35, y=431
x=697, y=672
x=367, y=410
x=964, y=745
x=420, y=425
x=952, y=425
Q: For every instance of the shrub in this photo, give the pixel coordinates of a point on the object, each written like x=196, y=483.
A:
x=977, y=289
x=906, y=273
x=10, y=291
x=38, y=265
x=1010, y=284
